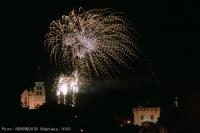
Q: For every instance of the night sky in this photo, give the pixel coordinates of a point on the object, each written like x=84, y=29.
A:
x=169, y=40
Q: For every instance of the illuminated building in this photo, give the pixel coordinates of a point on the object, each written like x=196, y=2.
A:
x=144, y=115
x=33, y=98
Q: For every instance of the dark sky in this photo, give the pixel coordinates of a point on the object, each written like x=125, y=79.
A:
x=170, y=41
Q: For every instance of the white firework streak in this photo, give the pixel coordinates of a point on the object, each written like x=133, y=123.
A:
x=68, y=85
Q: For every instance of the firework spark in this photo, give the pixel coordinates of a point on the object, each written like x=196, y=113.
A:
x=68, y=86
x=94, y=41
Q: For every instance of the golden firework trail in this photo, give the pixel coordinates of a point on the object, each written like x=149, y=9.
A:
x=95, y=42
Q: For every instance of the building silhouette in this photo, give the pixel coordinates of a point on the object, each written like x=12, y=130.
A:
x=33, y=98
x=144, y=115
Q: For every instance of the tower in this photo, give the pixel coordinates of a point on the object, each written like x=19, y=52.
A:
x=37, y=97
x=146, y=114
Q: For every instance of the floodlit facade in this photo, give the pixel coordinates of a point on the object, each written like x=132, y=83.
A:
x=146, y=114
x=35, y=97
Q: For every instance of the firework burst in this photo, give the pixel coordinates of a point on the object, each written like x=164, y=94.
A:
x=96, y=42
x=68, y=87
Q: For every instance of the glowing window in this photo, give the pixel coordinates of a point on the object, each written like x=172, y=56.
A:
x=39, y=93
